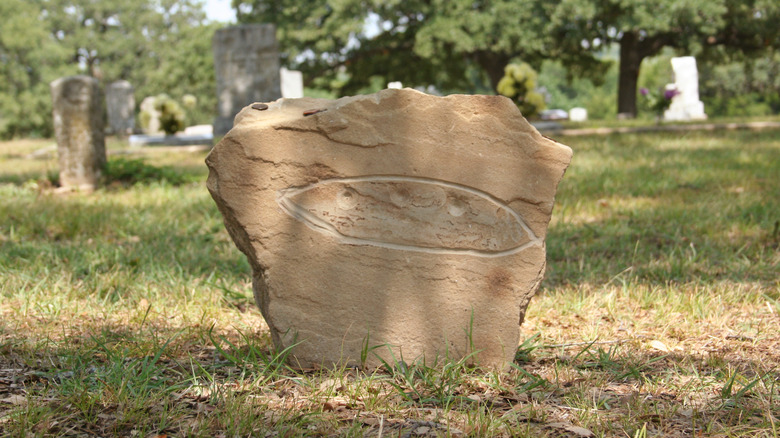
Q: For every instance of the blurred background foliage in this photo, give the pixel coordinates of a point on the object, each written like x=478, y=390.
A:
x=157, y=45
x=588, y=53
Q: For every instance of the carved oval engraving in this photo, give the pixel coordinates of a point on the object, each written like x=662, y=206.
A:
x=409, y=213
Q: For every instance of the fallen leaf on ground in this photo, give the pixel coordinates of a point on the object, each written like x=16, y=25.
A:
x=14, y=399
x=658, y=345
x=580, y=431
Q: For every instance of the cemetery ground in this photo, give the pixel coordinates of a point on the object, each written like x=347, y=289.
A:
x=128, y=311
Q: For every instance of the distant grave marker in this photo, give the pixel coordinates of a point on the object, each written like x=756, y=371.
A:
x=685, y=105
x=120, y=105
x=247, y=70
x=78, y=126
x=292, y=83
x=578, y=114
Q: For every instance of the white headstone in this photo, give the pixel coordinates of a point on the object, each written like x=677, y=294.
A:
x=396, y=84
x=578, y=114
x=685, y=105
x=292, y=83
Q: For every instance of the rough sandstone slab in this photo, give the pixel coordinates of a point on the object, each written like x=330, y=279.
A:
x=397, y=219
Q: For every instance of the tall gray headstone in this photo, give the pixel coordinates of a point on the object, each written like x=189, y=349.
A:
x=78, y=126
x=246, y=60
x=120, y=104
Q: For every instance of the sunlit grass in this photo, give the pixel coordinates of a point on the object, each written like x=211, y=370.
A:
x=128, y=311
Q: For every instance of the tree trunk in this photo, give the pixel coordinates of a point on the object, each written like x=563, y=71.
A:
x=630, y=60
x=493, y=64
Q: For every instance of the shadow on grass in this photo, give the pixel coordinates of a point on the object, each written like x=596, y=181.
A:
x=671, y=214
x=151, y=378
x=153, y=233
x=695, y=210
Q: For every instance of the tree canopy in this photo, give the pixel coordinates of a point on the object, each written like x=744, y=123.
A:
x=465, y=44
x=452, y=44
x=642, y=29
x=350, y=46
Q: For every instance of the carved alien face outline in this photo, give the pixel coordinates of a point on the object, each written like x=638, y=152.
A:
x=410, y=214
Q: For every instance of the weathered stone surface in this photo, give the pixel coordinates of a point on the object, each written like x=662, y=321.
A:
x=246, y=62
x=397, y=219
x=120, y=105
x=78, y=126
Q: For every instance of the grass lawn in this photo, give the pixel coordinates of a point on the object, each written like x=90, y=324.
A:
x=128, y=312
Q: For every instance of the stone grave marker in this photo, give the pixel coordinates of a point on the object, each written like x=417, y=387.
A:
x=78, y=127
x=120, y=105
x=578, y=114
x=403, y=223
x=291, y=83
x=247, y=70
x=686, y=105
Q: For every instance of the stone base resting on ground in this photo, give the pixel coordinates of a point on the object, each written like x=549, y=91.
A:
x=397, y=225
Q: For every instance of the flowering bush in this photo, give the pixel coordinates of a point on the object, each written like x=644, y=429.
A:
x=171, y=114
x=519, y=84
x=659, y=101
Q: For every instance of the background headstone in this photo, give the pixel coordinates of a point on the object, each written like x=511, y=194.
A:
x=292, y=83
x=150, y=116
x=397, y=85
x=686, y=105
x=120, y=105
x=246, y=60
x=578, y=114
x=78, y=126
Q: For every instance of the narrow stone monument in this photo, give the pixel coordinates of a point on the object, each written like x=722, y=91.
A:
x=291, y=83
x=685, y=105
x=395, y=225
x=78, y=126
x=247, y=70
x=120, y=105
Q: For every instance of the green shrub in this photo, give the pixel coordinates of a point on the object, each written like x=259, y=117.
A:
x=519, y=84
x=133, y=171
x=171, y=114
